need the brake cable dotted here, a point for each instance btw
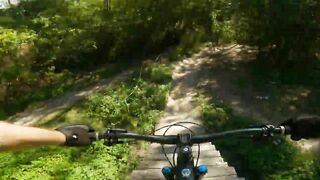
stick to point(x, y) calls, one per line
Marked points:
point(180, 125)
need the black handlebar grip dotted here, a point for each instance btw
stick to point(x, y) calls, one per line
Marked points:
point(95, 136)
point(287, 129)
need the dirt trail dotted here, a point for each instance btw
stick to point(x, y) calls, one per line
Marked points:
point(53, 106)
point(181, 107)
point(226, 76)
point(221, 68)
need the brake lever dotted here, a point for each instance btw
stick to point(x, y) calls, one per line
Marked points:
point(268, 130)
point(111, 137)
point(267, 135)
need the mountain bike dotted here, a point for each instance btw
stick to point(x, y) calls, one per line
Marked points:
point(185, 168)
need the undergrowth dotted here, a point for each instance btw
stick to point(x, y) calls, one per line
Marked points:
point(95, 162)
point(275, 158)
point(135, 105)
point(50, 85)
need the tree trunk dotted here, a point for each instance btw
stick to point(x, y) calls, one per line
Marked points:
point(9, 2)
point(107, 4)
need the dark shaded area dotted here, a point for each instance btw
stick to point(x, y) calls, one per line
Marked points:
point(129, 29)
point(234, 77)
point(66, 40)
point(241, 96)
point(79, 36)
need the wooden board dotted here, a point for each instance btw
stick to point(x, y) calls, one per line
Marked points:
point(213, 172)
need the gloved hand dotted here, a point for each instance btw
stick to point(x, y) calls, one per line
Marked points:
point(304, 126)
point(77, 135)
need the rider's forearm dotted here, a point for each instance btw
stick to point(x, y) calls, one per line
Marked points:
point(15, 137)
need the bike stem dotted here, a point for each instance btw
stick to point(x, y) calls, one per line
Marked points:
point(185, 169)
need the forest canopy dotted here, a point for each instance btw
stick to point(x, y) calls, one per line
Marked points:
point(44, 37)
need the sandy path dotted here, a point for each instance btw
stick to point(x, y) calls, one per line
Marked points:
point(64, 102)
point(181, 107)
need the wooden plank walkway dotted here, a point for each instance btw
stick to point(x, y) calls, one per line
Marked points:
point(154, 160)
point(181, 108)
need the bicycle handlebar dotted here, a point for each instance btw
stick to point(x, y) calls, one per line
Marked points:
point(113, 135)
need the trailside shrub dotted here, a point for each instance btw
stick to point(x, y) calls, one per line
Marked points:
point(133, 105)
point(81, 35)
point(286, 32)
point(15, 46)
point(16, 58)
point(78, 34)
point(157, 72)
point(95, 162)
point(273, 158)
point(213, 116)
point(68, 34)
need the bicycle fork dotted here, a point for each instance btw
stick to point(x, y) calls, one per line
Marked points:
point(185, 169)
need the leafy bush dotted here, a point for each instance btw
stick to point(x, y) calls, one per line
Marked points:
point(14, 46)
point(29, 92)
point(95, 162)
point(16, 58)
point(223, 21)
point(65, 41)
point(213, 115)
point(284, 31)
point(156, 72)
point(275, 158)
point(135, 104)
point(74, 34)
point(81, 35)
point(122, 106)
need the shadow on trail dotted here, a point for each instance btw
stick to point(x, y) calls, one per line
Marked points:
point(233, 77)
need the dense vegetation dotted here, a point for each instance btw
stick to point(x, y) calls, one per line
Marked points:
point(273, 158)
point(42, 38)
point(48, 47)
point(65, 37)
point(135, 105)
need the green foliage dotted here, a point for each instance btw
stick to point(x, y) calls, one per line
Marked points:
point(29, 93)
point(16, 58)
point(75, 34)
point(123, 105)
point(305, 75)
point(285, 31)
point(132, 104)
point(213, 115)
point(95, 162)
point(223, 21)
point(275, 158)
point(12, 46)
point(156, 72)
point(135, 104)
point(6, 20)
point(67, 33)
point(81, 35)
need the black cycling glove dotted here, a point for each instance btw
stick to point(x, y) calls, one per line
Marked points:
point(304, 126)
point(77, 135)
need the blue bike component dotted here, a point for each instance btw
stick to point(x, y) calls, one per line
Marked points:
point(168, 173)
point(184, 169)
point(202, 169)
point(166, 170)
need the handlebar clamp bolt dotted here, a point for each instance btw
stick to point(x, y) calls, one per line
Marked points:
point(185, 173)
point(186, 149)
